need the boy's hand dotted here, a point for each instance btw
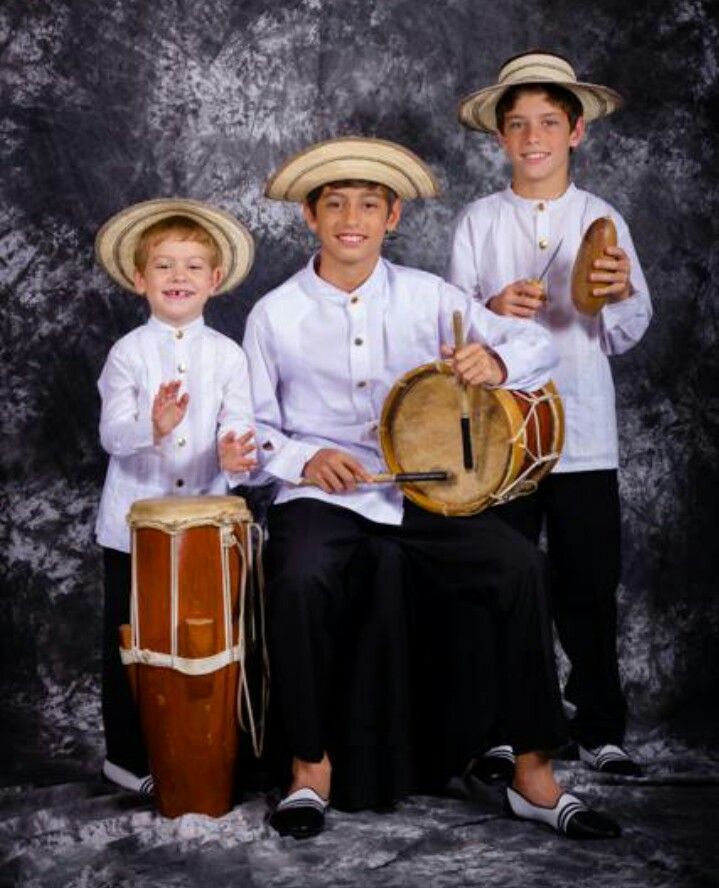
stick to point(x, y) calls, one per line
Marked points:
point(613, 271)
point(334, 471)
point(521, 299)
point(168, 410)
point(474, 365)
point(234, 451)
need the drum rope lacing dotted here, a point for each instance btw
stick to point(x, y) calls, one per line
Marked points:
point(232, 652)
point(520, 486)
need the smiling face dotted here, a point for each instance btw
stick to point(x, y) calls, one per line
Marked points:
point(178, 279)
point(350, 223)
point(536, 137)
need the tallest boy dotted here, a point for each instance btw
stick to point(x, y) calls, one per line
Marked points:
point(538, 111)
point(324, 349)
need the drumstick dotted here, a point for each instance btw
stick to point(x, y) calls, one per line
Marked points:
point(464, 422)
point(397, 477)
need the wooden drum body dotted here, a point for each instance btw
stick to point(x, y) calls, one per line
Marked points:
point(185, 646)
point(517, 438)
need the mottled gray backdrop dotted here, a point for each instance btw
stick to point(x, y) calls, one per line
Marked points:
point(108, 103)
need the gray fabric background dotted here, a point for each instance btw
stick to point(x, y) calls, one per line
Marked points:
point(108, 103)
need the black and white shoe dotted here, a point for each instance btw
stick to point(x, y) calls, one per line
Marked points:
point(610, 759)
point(569, 817)
point(127, 780)
point(301, 814)
point(495, 765)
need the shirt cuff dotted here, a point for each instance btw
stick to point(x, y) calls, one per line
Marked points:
point(287, 464)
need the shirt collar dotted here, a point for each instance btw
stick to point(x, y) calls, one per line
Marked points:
point(532, 203)
point(192, 329)
point(314, 285)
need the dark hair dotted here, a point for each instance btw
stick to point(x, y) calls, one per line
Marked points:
point(556, 95)
point(314, 195)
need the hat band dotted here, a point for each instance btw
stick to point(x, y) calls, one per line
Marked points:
point(544, 72)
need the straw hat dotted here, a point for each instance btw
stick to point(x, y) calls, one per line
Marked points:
point(477, 111)
point(353, 157)
point(116, 240)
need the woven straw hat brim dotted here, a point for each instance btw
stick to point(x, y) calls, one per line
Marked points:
point(116, 240)
point(477, 111)
point(353, 157)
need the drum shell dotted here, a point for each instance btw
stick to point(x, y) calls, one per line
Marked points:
point(602, 233)
point(189, 722)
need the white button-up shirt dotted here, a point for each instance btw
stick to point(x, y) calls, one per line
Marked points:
point(213, 371)
point(322, 362)
point(503, 238)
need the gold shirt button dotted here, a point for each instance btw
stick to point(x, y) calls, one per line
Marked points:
point(540, 207)
point(182, 368)
point(179, 334)
point(543, 244)
point(354, 300)
point(361, 384)
point(181, 442)
point(359, 341)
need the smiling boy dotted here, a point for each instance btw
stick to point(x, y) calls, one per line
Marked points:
point(538, 111)
point(324, 349)
point(176, 409)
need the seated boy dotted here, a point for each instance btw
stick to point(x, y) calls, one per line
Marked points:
point(176, 409)
point(324, 349)
point(501, 244)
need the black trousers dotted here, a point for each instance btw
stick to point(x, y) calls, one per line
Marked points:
point(313, 543)
point(123, 735)
point(581, 511)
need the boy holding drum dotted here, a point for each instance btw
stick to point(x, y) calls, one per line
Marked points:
point(502, 244)
point(176, 409)
point(324, 349)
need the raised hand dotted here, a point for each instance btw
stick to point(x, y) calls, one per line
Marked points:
point(168, 410)
point(520, 299)
point(613, 272)
point(234, 451)
point(473, 364)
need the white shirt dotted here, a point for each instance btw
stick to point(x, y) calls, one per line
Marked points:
point(497, 241)
point(213, 371)
point(322, 362)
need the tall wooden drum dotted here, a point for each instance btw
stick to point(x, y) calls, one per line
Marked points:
point(186, 644)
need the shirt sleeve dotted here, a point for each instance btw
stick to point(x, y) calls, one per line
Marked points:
point(278, 454)
point(622, 324)
point(236, 408)
point(464, 260)
point(126, 416)
point(525, 348)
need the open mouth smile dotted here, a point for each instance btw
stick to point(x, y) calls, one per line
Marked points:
point(177, 294)
point(351, 240)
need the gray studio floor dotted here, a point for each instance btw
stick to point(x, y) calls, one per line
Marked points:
point(79, 833)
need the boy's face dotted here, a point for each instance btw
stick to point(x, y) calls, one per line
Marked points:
point(178, 280)
point(536, 138)
point(351, 223)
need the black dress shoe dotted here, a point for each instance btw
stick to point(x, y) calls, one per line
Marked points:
point(569, 817)
point(610, 759)
point(301, 814)
point(495, 765)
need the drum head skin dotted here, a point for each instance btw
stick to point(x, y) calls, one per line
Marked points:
point(420, 431)
point(176, 512)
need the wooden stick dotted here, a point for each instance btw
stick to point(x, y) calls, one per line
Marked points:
point(464, 422)
point(397, 477)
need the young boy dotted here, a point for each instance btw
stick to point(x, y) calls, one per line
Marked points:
point(501, 244)
point(176, 409)
point(356, 324)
